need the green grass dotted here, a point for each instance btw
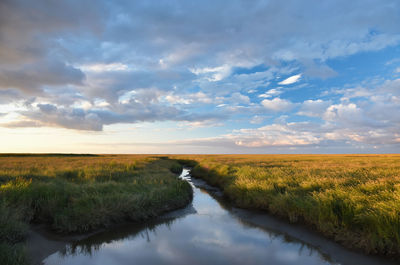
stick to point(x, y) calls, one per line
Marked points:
point(80, 194)
point(352, 199)
point(12, 232)
point(12, 254)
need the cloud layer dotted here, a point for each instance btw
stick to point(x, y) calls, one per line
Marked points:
point(272, 73)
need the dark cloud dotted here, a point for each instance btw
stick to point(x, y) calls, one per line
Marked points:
point(30, 30)
point(112, 85)
point(47, 108)
point(31, 36)
point(182, 34)
point(9, 95)
point(32, 78)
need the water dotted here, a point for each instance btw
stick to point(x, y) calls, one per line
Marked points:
point(208, 231)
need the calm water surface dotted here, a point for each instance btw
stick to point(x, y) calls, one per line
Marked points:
point(205, 232)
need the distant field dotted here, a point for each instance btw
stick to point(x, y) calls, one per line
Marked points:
point(74, 193)
point(354, 199)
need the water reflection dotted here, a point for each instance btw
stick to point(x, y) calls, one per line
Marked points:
point(206, 232)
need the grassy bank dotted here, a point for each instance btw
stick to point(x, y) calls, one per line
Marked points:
point(82, 193)
point(353, 199)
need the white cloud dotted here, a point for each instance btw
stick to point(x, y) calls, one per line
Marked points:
point(179, 55)
point(101, 103)
point(270, 93)
point(289, 134)
point(342, 112)
point(174, 99)
point(200, 124)
point(201, 97)
point(313, 108)
point(103, 67)
point(238, 98)
point(257, 119)
point(213, 74)
point(277, 104)
point(368, 119)
point(290, 80)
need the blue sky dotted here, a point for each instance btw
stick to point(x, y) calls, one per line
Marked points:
point(200, 76)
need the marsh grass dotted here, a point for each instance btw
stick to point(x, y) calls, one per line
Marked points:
point(353, 199)
point(73, 194)
point(12, 231)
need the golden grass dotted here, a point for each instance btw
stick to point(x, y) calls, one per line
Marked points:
point(354, 199)
point(82, 193)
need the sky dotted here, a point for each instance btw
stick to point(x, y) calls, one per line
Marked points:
point(200, 76)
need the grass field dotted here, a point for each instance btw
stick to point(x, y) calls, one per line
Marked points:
point(82, 193)
point(354, 199)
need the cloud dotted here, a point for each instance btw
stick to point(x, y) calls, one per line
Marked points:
point(277, 104)
point(22, 124)
point(319, 70)
point(102, 67)
point(314, 108)
point(143, 106)
point(30, 78)
point(9, 95)
point(257, 119)
point(270, 93)
point(47, 108)
point(365, 121)
point(290, 80)
point(342, 111)
point(238, 98)
point(201, 124)
point(130, 61)
point(213, 74)
point(110, 85)
point(210, 42)
point(31, 52)
point(290, 134)
point(368, 106)
point(175, 99)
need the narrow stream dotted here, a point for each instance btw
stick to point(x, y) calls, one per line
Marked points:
point(209, 231)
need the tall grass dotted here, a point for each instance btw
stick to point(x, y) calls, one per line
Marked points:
point(80, 194)
point(353, 199)
point(12, 231)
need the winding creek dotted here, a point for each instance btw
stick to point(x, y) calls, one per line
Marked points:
point(208, 231)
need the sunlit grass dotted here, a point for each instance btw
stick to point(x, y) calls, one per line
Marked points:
point(353, 199)
point(80, 194)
